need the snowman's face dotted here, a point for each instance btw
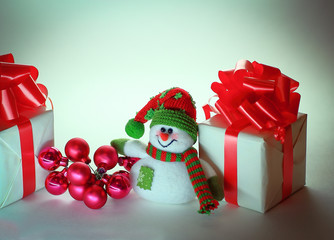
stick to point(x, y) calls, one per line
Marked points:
point(170, 139)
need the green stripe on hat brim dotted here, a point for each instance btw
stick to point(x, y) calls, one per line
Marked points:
point(178, 119)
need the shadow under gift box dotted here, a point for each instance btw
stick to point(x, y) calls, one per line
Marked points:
point(259, 161)
point(11, 173)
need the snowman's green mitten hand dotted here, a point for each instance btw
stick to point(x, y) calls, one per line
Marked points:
point(118, 144)
point(216, 188)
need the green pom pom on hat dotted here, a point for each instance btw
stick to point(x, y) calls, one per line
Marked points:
point(134, 129)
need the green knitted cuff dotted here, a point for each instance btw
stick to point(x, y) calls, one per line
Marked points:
point(118, 144)
point(177, 119)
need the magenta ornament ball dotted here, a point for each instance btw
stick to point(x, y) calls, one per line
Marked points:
point(77, 191)
point(122, 172)
point(78, 173)
point(95, 197)
point(106, 157)
point(77, 150)
point(49, 158)
point(56, 183)
point(127, 162)
point(118, 186)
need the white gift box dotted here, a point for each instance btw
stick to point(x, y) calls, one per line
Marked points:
point(259, 161)
point(11, 179)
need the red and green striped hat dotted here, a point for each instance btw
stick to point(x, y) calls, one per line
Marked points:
point(173, 107)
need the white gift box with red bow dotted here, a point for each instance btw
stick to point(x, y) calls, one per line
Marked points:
point(257, 140)
point(25, 129)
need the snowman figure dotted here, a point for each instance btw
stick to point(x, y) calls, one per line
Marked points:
point(169, 170)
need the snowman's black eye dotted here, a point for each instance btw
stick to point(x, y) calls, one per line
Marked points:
point(163, 129)
point(170, 130)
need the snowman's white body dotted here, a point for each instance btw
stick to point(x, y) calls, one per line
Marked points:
point(171, 183)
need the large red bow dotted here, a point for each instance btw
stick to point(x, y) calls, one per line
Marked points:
point(18, 90)
point(257, 94)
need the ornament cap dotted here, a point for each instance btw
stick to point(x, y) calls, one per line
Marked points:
point(135, 129)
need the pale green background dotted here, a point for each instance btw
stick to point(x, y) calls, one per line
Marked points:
point(103, 60)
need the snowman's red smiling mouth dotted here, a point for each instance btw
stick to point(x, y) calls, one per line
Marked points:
point(164, 146)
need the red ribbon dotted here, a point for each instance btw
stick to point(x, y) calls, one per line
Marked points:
point(28, 157)
point(18, 90)
point(21, 96)
point(261, 96)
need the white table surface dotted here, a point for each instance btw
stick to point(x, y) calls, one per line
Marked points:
point(305, 215)
point(103, 60)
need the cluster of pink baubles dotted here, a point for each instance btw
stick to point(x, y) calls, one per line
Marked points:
point(83, 184)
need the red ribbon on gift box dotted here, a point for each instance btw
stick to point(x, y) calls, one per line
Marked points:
point(20, 94)
point(261, 96)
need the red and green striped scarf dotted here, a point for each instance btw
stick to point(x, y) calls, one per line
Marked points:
point(195, 171)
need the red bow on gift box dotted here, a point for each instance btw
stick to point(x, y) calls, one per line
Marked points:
point(256, 94)
point(261, 96)
point(18, 90)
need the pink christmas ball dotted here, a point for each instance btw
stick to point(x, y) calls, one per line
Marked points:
point(118, 186)
point(77, 150)
point(56, 183)
point(78, 173)
point(77, 191)
point(105, 157)
point(122, 172)
point(127, 162)
point(49, 158)
point(95, 197)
